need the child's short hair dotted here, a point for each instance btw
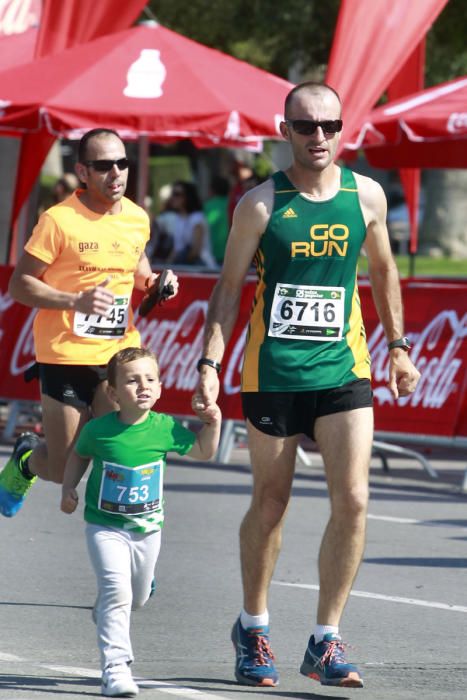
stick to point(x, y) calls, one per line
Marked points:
point(122, 357)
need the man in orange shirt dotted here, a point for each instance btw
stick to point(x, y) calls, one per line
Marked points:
point(79, 268)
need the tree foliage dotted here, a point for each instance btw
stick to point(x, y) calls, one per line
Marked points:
point(271, 34)
point(278, 36)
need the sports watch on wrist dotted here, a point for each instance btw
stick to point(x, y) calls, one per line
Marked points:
point(403, 343)
point(209, 363)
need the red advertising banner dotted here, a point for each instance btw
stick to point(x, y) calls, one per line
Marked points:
point(435, 321)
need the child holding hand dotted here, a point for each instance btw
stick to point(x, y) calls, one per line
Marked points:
point(124, 499)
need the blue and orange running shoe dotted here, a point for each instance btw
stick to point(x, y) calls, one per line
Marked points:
point(325, 662)
point(255, 661)
point(13, 485)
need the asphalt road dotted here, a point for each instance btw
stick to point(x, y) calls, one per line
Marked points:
point(405, 622)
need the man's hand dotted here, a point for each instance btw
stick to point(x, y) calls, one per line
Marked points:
point(207, 390)
point(97, 300)
point(403, 375)
point(170, 278)
point(208, 414)
point(159, 289)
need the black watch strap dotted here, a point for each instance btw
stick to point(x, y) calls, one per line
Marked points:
point(210, 363)
point(403, 343)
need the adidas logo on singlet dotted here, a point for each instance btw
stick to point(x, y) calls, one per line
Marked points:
point(289, 214)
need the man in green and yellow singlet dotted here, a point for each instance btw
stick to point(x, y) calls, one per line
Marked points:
point(306, 367)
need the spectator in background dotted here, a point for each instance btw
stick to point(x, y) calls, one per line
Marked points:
point(242, 175)
point(160, 245)
point(192, 244)
point(216, 212)
point(64, 186)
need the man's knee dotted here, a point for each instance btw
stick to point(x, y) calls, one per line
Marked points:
point(351, 504)
point(270, 509)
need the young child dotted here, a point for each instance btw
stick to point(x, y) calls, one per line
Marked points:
point(124, 499)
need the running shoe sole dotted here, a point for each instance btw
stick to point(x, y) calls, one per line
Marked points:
point(352, 680)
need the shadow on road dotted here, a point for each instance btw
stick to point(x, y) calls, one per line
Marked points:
point(49, 684)
point(212, 683)
point(47, 605)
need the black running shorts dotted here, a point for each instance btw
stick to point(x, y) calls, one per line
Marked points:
point(283, 414)
point(74, 385)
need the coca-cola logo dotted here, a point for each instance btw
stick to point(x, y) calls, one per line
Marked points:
point(23, 355)
point(457, 122)
point(435, 353)
point(178, 345)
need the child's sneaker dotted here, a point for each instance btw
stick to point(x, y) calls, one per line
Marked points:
point(117, 682)
point(325, 662)
point(13, 485)
point(255, 661)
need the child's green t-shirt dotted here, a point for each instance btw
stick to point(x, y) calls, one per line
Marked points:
point(125, 486)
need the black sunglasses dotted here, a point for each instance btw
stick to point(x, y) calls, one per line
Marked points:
point(306, 127)
point(104, 166)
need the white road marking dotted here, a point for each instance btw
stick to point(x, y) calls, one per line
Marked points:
point(414, 521)
point(9, 657)
point(387, 598)
point(178, 690)
point(391, 519)
point(73, 670)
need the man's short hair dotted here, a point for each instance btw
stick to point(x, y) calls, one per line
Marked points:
point(310, 86)
point(122, 357)
point(93, 133)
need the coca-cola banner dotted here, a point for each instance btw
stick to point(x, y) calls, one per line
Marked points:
point(435, 321)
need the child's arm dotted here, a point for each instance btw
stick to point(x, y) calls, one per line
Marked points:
point(74, 470)
point(207, 440)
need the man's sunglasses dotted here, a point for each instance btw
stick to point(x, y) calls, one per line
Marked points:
point(306, 127)
point(104, 166)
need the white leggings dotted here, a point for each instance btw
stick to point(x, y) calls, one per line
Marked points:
point(124, 565)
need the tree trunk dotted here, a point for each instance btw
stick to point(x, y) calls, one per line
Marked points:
point(444, 226)
point(9, 149)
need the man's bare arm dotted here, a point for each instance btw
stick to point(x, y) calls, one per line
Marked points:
point(385, 285)
point(27, 287)
point(249, 222)
point(384, 276)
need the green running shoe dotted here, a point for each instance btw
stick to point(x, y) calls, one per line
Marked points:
point(13, 485)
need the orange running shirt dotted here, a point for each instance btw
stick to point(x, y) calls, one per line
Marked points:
point(83, 249)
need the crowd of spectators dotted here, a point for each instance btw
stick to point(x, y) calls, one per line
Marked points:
point(189, 231)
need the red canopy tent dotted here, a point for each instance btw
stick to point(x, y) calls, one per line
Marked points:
point(17, 48)
point(411, 78)
point(372, 42)
point(427, 129)
point(373, 49)
point(144, 80)
point(62, 24)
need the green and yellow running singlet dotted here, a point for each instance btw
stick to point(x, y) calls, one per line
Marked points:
point(306, 330)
